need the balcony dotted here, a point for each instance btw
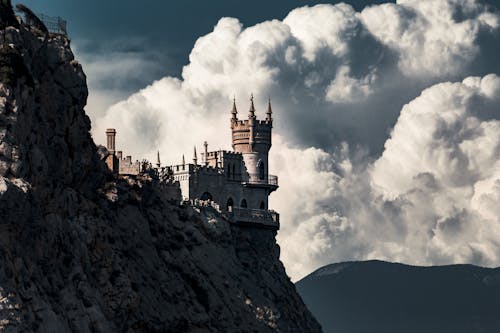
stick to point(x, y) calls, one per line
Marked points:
point(255, 180)
point(268, 219)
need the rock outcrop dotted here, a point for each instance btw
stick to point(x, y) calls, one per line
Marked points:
point(84, 251)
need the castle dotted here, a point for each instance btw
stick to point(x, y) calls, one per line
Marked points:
point(237, 182)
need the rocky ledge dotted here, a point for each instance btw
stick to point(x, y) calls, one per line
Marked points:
point(72, 259)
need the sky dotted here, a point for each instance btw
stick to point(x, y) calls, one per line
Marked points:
point(387, 131)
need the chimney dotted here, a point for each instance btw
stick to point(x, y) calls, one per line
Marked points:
point(111, 135)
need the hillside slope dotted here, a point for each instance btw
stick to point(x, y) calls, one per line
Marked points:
point(83, 251)
point(375, 296)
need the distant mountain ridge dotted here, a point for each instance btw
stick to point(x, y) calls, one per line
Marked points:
point(376, 296)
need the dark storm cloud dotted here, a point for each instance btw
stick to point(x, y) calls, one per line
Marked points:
point(167, 27)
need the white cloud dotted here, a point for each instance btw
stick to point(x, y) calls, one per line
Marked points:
point(440, 133)
point(323, 27)
point(429, 37)
point(336, 75)
point(345, 89)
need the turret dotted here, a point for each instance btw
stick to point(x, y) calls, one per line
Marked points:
point(251, 112)
point(206, 152)
point(195, 157)
point(234, 112)
point(269, 112)
point(252, 138)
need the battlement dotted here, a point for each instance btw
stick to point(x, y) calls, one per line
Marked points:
point(115, 160)
point(251, 135)
point(127, 167)
point(243, 124)
point(223, 153)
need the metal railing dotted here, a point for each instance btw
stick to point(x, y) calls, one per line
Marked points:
point(254, 215)
point(258, 179)
point(54, 24)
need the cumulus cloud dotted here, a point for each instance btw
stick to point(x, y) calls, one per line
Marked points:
point(345, 89)
point(432, 38)
point(431, 198)
point(340, 80)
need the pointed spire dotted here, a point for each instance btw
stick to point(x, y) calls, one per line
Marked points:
point(195, 157)
point(234, 111)
point(158, 163)
point(251, 113)
point(206, 153)
point(269, 111)
point(183, 160)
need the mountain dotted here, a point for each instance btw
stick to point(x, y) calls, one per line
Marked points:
point(83, 250)
point(376, 296)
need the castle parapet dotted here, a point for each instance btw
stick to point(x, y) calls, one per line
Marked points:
point(269, 180)
point(264, 218)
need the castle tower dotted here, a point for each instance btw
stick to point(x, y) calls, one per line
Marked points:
point(252, 138)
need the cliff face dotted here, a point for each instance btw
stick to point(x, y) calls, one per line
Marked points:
point(83, 251)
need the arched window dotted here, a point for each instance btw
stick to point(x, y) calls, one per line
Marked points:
point(206, 196)
point(229, 170)
point(262, 205)
point(230, 204)
point(260, 167)
point(234, 173)
point(243, 203)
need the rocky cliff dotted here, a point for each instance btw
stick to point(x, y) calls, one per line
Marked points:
point(83, 251)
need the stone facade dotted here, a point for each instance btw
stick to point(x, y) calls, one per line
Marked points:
point(237, 181)
point(115, 160)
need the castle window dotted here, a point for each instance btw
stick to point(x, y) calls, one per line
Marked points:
point(262, 205)
point(230, 205)
point(234, 173)
point(229, 170)
point(260, 167)
point(243, 203)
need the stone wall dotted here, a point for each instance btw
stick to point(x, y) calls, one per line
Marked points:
point(194, 184)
